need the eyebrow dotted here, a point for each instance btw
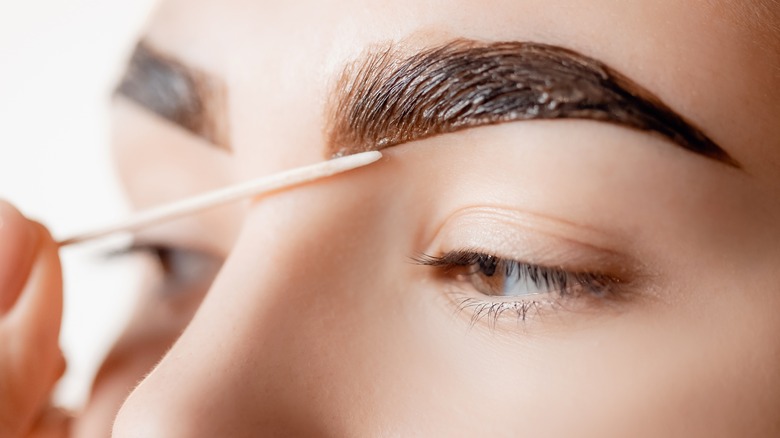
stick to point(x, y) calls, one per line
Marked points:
point(385, 99)
point(178, 93)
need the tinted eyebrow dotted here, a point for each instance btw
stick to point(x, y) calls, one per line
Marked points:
point(385, 99)
point(186, 96)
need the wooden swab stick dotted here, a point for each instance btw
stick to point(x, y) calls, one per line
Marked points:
point(233, 193)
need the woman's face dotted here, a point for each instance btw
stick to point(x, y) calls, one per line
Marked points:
point(498, 273)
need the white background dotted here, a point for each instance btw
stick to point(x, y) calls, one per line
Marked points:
point(59, 60)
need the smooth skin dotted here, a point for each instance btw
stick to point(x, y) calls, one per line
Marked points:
point(30, 314)
point(307, 316)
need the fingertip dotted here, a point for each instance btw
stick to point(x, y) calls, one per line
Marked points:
point(43, 237)
point(61, 367)
point(8, 210)
point(40, 303)
point(18, 247)
point(35, 319)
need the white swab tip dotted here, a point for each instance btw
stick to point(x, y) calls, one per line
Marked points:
point(362, 158)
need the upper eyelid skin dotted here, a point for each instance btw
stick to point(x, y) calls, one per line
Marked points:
point(524, 218)
point(538, 239)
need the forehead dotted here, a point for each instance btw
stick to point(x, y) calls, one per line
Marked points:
point(202, 28)
point(281, 59)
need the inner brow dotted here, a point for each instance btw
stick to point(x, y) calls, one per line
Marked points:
point(385, 99)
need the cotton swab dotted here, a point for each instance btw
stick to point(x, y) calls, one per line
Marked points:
point(229, 194)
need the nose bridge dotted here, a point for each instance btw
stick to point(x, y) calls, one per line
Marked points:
point(249, 353)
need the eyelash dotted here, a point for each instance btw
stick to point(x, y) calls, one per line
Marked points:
point(466, 266)
point(181, 268)
point(160, 253)
point(461, 266)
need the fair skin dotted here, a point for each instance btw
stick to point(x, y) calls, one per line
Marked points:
point(319, 322)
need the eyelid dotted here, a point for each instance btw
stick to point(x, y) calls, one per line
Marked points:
point(577, 294)
point(518, 235)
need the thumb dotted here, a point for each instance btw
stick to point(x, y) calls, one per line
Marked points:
point(18, 250)
point(36, 317)
point(30, 358)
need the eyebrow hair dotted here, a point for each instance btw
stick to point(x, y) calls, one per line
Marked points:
point(384, 99)
point(183, 95)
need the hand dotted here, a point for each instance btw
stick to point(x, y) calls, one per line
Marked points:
point(30, 314)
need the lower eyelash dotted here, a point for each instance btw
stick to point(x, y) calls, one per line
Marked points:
point(493, 310)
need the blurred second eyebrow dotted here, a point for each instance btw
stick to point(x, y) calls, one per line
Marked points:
point(178, 93)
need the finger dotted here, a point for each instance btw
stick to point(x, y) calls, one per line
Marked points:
point(30, 358)
point(36, 317)
point(53, 423)
point(18, 247)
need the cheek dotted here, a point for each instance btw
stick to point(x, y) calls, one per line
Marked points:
point(678, 370)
